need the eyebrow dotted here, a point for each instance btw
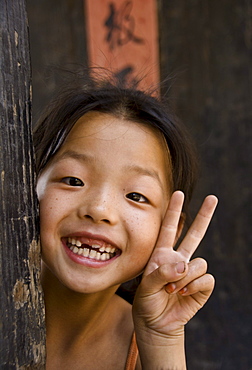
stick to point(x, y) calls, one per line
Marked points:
point(145, 172)
point(75, 155)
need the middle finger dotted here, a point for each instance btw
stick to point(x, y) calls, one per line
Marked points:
point(198, 228)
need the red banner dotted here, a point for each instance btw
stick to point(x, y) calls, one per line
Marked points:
point(123, 36)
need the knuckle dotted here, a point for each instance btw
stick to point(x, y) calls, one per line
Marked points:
point(200, 264)
point(164, 270)
point(196, 234)
point(167, 273)
point(210, 279)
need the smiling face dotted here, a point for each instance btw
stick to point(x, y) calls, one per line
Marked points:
point(102, 200)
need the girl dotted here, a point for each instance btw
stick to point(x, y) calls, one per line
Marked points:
point(113, 167)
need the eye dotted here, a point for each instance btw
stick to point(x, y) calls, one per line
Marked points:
point(72, 181)
point(136, 197)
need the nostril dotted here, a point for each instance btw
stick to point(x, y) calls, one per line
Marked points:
point(106, 221)
point(94, 219)
point(87, 216)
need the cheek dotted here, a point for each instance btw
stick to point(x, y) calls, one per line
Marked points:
point(51, 205)
point(50, 210)
point(144, 233)
point(46, 223)
point(46, 211)
point(142, 244)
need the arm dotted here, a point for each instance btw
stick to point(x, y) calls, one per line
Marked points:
point(172, 290)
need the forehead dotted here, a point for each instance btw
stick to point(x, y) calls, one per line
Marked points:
point(99, 134)
point(105, 126)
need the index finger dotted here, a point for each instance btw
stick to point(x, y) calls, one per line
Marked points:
point(169, 227)
point(198, 228)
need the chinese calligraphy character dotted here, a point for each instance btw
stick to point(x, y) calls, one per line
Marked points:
point(126, 76)
point(121, 25)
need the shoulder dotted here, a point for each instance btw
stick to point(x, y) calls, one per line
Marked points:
point(126, 326)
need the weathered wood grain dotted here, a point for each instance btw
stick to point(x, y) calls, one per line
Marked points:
point(21, 309)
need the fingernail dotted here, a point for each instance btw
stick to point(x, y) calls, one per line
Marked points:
point(180, 267)
point(171, 287)
point(183, 291)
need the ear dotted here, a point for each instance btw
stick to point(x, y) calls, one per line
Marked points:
point(180, 227)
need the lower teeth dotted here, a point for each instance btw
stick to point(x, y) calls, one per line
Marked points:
point(91, 253)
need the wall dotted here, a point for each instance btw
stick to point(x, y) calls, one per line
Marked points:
point(206, 45)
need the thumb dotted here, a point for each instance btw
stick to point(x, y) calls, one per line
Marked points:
point(163, 275)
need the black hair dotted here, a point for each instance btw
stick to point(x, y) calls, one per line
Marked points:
point(111, 97)
point(127, 103)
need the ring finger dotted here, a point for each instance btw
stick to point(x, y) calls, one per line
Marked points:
point(196, 268)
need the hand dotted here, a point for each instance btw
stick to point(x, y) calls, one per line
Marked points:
point(174, 287)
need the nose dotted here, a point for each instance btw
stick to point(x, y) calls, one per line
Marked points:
point(99, 206)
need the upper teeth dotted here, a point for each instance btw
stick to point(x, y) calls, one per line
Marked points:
point(77, 243)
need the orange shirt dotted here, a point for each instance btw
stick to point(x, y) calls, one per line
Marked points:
point(132, 355)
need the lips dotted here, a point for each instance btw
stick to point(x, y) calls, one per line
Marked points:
point(98, 250)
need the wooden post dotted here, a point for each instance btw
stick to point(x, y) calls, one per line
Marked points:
point(22, 334)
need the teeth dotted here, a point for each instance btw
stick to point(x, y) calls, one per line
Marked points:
point(102, 253)
point(86, 252)
point(103, 257)
point(92, 254)
point(95, 246)
point(74, 242)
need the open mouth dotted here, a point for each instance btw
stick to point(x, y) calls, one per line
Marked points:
point(96, 250)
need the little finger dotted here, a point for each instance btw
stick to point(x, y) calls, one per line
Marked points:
point(203, 285)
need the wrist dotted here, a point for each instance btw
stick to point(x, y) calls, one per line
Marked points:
point(150, 337)
point(159, 351)
point(148, 333)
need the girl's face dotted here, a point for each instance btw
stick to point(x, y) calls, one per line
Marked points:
point(102, 200)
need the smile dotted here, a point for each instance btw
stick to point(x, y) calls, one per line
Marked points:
point(96, 250)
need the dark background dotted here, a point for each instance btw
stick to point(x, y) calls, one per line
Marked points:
point(205, 49)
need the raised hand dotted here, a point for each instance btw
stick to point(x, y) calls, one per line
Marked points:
point(174, 287)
